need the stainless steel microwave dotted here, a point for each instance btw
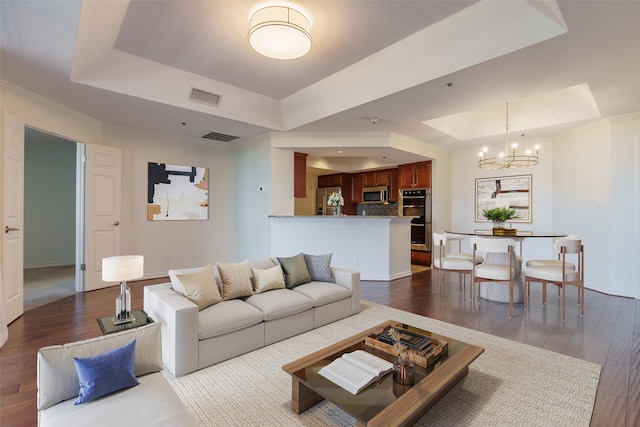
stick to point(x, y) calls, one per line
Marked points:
point(375, 195)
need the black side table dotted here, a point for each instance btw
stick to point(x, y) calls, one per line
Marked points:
point(107, 326)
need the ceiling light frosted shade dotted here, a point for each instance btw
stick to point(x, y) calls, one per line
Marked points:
point(122, 268)
point(280, 32)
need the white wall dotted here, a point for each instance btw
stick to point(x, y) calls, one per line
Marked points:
point(585, 184)
point(50, 201)
point(253, 199)
point(42, 114)
point(464, 172)
point(174, 244)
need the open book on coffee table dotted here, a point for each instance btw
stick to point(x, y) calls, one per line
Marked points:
point(356, 370)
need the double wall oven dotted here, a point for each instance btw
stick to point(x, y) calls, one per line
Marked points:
point(417, 202)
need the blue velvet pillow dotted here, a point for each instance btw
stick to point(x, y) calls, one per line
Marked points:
point(105, 373)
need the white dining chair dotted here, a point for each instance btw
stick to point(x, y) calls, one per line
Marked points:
point(560, 276)
point(443, 262)
point(493, 272)
point(553, 262)
point(452, 237)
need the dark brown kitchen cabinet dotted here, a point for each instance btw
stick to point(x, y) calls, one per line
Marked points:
point(421, 258)
point(414, 175)
point(334, 180)
point(375, 179)
point(393, 185)
point(356, 188)
point(299, 175)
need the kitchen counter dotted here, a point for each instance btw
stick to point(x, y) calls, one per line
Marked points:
point(377, 246)
point(342, 216)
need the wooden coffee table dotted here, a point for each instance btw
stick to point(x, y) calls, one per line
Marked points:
point(384, 403)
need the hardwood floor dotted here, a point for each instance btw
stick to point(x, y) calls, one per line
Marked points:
point(609, 335)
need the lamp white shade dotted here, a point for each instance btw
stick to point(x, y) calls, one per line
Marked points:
point(122, 268)
point(280, 32)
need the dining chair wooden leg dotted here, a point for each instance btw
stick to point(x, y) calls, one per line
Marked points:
point(510, 300)
point(563, 299)
point(526, 294)
point(544, 293)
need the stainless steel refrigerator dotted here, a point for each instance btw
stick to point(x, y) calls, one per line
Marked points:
point(322, 194)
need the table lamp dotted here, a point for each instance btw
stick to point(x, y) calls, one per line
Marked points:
point(120, 269)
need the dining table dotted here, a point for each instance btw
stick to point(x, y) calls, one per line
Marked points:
point(495, 291)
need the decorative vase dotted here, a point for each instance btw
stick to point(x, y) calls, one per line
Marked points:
point(337, 210)
point(404, 370)
point(498, 224)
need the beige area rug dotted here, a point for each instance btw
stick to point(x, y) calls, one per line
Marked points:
point(510, 384)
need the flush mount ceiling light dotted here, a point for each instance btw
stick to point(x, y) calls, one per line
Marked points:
point(280, 32)
point(508, 160)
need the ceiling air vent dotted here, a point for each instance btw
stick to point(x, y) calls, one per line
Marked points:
point(203, 97)
point(219, 137)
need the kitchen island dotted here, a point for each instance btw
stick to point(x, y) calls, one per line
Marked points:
point(379, 247)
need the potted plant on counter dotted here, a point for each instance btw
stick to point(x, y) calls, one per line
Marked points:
point(499, 216)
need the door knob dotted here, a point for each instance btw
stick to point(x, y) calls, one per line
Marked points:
point(8, 229)
point(117, 223)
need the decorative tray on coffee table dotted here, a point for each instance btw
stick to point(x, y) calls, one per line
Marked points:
point(425, 359)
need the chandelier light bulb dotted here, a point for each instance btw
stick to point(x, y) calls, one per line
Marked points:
point(509, 158)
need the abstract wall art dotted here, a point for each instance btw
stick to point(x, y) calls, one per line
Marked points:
point(177, 192)
point(508, 191)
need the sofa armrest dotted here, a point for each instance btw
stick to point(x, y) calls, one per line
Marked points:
point(180, 325)
point(351, 280)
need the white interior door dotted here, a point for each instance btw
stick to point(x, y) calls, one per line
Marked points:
point(12, 217)
point(102, 211)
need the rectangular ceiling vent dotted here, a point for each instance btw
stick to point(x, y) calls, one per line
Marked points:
point(219, 137)
point(204, 97)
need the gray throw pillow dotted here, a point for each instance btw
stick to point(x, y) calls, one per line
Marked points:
point(319, 267)
point(295, 270)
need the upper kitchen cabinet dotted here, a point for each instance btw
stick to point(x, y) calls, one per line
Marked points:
point(300, 175)
point(375, 179)
point(335, 180)
point(414, 175)
point(393, 185)
point(356, 188)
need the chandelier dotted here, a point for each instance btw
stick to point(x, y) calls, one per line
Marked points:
point(508, 159)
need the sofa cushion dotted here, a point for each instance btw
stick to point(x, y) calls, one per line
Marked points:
point(57, 375)
point(295, 270)
point(152, 403)
point(236, 280)
point(227, 316)
point(267, 279)
point(105, 373)
point(323, 293)
point(177, 285)
point(319, 267)
point(200, 287)
point(280, 303)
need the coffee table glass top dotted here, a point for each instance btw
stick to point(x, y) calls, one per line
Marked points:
point(379, 396)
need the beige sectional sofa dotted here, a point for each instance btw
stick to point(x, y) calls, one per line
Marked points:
point(197, 334)
point(150, 403)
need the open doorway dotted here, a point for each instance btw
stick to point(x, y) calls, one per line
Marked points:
point(49, 218)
